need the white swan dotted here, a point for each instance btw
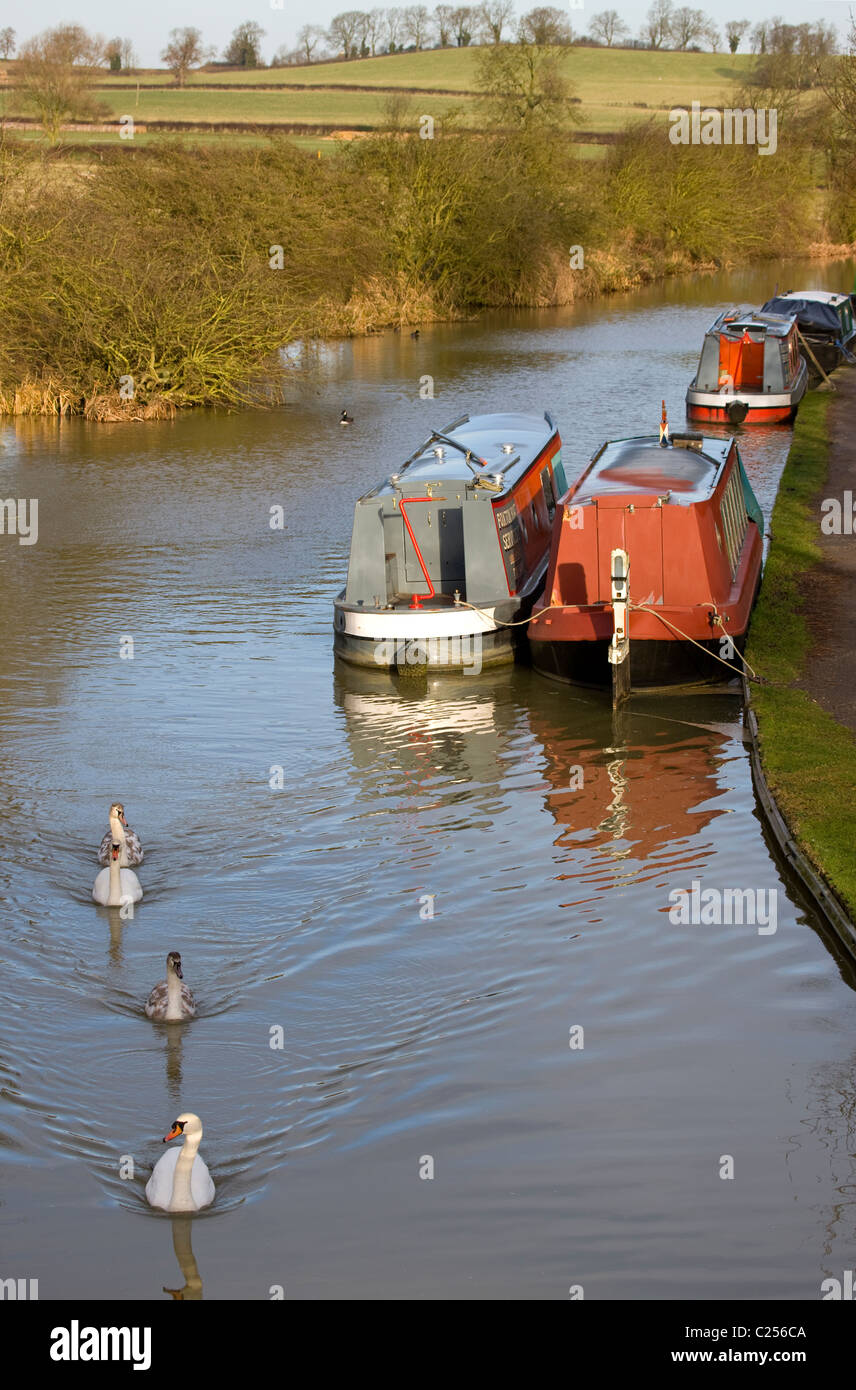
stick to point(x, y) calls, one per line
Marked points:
point(171, 1000)
point(120, 833)
point(116, 886)
point(180, 1181)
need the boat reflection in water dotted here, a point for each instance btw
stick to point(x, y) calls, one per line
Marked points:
point(629, 791)
point(632, 792)
point(424, 726)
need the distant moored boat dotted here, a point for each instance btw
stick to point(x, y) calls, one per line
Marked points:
point(825, 322)
point(750, 370)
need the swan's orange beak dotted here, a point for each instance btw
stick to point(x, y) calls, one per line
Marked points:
point(122, 819)
point(173, 1134)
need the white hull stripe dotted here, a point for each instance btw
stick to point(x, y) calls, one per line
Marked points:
point(416, 625)
point(756, 400)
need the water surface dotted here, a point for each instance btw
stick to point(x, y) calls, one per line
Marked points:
point(440, 884)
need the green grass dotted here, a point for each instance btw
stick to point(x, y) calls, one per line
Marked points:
point(808, 757)
point(614, 86)
point(260, 108)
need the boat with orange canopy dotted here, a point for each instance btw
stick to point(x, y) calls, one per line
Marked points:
point(654, 566)
point(750, 369)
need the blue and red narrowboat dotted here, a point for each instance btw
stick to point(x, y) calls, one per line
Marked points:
point(449, 552)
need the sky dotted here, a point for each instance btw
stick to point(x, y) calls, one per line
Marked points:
point(148, 25)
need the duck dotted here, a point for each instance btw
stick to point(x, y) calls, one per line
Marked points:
point(415, 333)
point(114, 887)
point(180, 1180)
point(345, 418)
point(171, 1000)
point(120, 833)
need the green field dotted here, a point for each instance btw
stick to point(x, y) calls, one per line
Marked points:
point(613, 86)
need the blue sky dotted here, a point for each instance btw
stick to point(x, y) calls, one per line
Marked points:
point(149, 24)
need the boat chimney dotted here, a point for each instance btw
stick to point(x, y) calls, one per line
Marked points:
point(664, 429)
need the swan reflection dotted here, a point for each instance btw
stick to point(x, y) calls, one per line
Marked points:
point(182, 1244)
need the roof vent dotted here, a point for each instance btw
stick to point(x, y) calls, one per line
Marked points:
point(439, 452)
point(508, 448)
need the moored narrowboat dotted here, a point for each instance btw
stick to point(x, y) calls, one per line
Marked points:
point(450, 551)
point(656, 561)
point(750, 369)
point(825, 322)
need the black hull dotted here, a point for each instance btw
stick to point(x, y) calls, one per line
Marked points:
point(652, 664)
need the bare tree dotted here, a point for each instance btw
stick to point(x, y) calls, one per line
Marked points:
point(758, 37)
point(370, 31)
point(688, 26)
point(657, 29)
point(734, 31)
point(443, 21)
point(113, 54)
point(523, 85)
point(129, 57)
point(184, 51)
point(53, 73)
point(416, 25)
point(608, 27)
point(492, 16)
point(392, 30)
point(344, 32)
point(463, 24)
point(7, 42)
point(546, 25)
point(308, 39)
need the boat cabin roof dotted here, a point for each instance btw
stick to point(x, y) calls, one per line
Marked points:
point(687, 468)
point(507, 444)
point(735, 322)
point(819, 296)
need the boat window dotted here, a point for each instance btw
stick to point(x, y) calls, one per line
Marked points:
point(536, 520)
point(732, 509)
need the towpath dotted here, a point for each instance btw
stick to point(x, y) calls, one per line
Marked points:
point(830, 586)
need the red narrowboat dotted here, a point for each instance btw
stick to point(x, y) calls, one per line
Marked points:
point(656, 561)
point(750, 369)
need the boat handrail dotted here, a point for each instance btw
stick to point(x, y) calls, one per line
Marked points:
point(437, 436)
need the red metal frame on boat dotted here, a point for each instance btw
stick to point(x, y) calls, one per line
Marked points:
point(416, 601)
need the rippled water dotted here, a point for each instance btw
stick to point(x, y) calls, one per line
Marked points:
point(449, 880)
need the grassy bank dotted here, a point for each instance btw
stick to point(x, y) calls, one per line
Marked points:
point(809, 759)
point(140, 279)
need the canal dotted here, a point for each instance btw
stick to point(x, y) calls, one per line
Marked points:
point(450, 1040)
